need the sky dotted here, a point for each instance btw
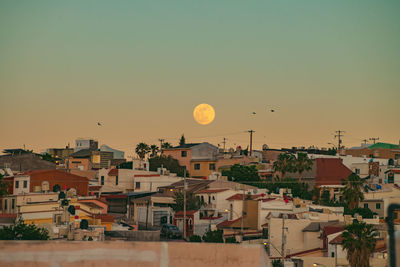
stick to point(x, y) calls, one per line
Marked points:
point(140, 68)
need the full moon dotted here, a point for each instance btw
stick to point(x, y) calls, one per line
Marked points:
point(204, 114)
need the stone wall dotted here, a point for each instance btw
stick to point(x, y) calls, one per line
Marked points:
point(177, 254)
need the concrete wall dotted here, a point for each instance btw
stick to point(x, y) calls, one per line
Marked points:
point(135, 235)
point(86, 253)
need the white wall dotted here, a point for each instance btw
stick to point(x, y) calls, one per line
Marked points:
point(21, 189)
point(151, 184)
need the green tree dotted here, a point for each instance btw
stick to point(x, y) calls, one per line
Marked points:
point(242, 173)
point(48, 157)
point(366, 213)
point(286, 163)
point(192, 202)
point(71, 209)
point(166, 145)
point(167, 162)
point(353, 190)
point(213, 236)
point(56, 188)
point(195, 238)
point(154, 150)
point(84, 224)
point(359, 240)
point(21, 231)
point(142, 149)
point(3, 186)
point(302, 164)
point(231, 239)
point(182, 141)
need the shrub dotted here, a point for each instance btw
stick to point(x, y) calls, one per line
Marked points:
point(195, 238)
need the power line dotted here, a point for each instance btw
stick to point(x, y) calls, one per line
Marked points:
point(339, 135)
point(374, 139)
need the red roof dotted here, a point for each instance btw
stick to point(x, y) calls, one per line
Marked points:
point(188, 213)
point(210, 191)
point(113, 172)
point(395, 171)
point(337, 240)
point(8, 215)
point(331, 229)
point(240, 197)
point(105, 217)
point(94, 187)
point(331, 171)
point(210, 218)
point(303, 252)
point(147, 175)
point(228, 223)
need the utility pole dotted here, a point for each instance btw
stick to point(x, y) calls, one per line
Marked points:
point(339, 135)
point(283, 254)
point(184, 204)
point(242, 220)
point(251, 140)
point(374, 139)
point(224, 142)
point(161, 143)
point(365, 142)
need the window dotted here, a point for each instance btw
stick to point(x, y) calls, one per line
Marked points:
point(397, 156)
point(357, 171)
point(378, 206)
point(365, 205)
point(212, 166)
point(16, 184)
point(137, 185)
point(183, 154)
point(197, 166)
point(25, 184)
point(102, 180)
point(13, 203)
point(5, 204)
point(116, 180)
point(333, 254)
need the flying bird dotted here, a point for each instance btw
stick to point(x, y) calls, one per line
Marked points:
point(254, 113)
point(99, 124)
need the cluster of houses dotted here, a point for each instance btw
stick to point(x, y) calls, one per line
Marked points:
point(116, 196)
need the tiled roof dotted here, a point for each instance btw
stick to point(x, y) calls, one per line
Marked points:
point(331, 171)
point(188, 212)
point(228, 223)
point(337, 240)
point(183, 146)
point(317, 226)
point(331, 229)
point(210, 191)
point(105, 217)
point(113, 172)
point(240, 197)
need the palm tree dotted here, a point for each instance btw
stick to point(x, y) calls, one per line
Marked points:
point(142, 149)
point(303, 163)
point(166, 145)
point(353, 190)
point(154, 150)
point(284, 164)
point(359, 240)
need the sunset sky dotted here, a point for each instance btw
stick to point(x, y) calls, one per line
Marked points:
point(140, 68)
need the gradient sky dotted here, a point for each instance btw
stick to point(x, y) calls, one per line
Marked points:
point(140, 67)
